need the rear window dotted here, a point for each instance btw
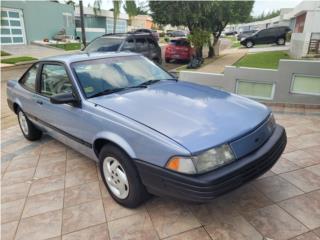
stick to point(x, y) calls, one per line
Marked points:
point(104, 44)
point(180, 43)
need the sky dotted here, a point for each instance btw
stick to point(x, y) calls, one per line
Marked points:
point(259, 7)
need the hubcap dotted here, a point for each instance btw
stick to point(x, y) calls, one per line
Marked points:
point(281, 41)
point(249, 44)
point(116, 177)
point(23, 123)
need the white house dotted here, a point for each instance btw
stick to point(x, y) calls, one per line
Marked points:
point(305, 38)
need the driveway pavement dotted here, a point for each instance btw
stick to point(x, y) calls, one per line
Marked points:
point(269, 48)
point(51, 192)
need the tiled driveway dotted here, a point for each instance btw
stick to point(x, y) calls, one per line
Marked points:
point(51, 192)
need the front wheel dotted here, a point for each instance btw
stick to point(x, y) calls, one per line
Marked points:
point(249, 44)
point(28, 129)
point(121, 177)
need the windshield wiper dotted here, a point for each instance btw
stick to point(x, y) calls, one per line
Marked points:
point(149, 82)
point(113, 90)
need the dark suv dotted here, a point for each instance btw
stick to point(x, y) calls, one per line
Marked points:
point(143, 43)
point(266, 36)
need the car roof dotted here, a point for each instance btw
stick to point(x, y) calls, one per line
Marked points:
point(84, 56)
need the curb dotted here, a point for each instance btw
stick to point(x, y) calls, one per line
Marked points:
point(20, 64)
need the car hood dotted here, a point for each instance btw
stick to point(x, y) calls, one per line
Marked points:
point(195, 116)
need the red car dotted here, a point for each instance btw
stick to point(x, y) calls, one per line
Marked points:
point(178, 49)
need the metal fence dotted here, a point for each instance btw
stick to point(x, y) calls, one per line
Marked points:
point(294, 82)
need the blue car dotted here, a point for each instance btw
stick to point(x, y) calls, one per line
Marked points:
point(149, 132)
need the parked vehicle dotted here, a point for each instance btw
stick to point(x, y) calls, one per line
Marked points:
point(267, 36)
point(177, 34)
point(142, 43)
point(154, 33)
point(230, 33)
point(178, 49)
point(245, 34)
point(149, 132)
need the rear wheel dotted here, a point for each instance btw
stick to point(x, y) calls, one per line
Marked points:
point(249, 44)
point(28, 129)
point(281, 41)
point(121, 177)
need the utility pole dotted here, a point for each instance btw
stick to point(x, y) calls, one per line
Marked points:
point(83, 33)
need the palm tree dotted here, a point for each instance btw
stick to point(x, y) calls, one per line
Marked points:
point(116, 12)
point(131, 9)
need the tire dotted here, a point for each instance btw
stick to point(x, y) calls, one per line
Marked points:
point(113, 164)
point(167, 60)
point(28, 129)
point(249, 44)
point(281, 41)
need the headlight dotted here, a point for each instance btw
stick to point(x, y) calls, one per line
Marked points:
point(204, 162)
point(242, 39)
point(271, 123)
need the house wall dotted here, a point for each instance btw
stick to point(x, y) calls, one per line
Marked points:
point(42, 19)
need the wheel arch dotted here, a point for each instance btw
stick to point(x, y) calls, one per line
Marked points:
point(103, 139)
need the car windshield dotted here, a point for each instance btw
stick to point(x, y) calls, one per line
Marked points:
point(104, 44)
point(179, 42)
point(107, 75)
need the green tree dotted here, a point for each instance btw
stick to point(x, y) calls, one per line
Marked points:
point(222, 13)
point(131, 9)
point(116, 13)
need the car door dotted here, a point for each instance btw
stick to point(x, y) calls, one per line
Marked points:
point(142, 46)
point(67, 122)
point(261, 37)
point(129, 45)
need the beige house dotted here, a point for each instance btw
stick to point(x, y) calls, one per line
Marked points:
point(141, 21)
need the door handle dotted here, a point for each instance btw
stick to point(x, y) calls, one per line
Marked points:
point(39, 102)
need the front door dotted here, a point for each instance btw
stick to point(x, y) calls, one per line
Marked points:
point(64, 121)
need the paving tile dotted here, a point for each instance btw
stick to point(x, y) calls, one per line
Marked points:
point(80, 177)
point(315, 169)
point(53, 147)
point(23, 163)
point(307, 236)
point(48, 184)
point(314, 151)
point(305, 208)
point(82, 216)
point(73, 154)
point(80, 163)
point(82, 193)
point(20, 176)
point(305, 180)
point(274, 223)
point(99, 232)
point(8, 230)
point(11, 211)
point(103, 190)
point(198, 233)
point(277, 188)
point(317, 231)
point(170, 217)
point(50, 169)
point(229, 228)
point(54, 157)
point(247, 198)
point(43, 203)
point(43, 226)
point(138, 226)
point(301, 158)
point(284, 165)
point(14, 192)
point(305, 141)
point(113, 210)
point(267, 174)
point(289, 148)
point(209, 212)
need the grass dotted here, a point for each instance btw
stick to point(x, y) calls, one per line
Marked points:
point(3, 54)
point(15, 60)
point(262, 60)
point(67, 46)
point(234, 41)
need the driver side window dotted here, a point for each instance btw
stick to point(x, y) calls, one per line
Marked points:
point(54, 80)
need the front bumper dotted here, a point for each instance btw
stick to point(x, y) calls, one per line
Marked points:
point(205, 187)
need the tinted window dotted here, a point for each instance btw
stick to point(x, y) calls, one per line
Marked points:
point(141, 44)
point(152, 44)
point(29, 79)
point(128, 45)
point(54, 80)
point(122, 72)
point(104, 44)
point(263, 33)
point(180, 43)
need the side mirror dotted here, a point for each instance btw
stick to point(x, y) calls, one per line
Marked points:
point(62, 98)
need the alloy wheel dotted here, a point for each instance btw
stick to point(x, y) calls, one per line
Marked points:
point(23, 123)
point(116, 177)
